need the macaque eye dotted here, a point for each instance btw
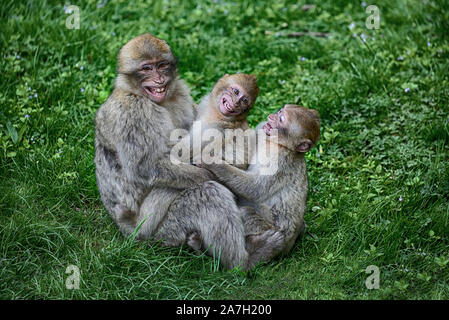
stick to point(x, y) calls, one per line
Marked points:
point(282, 118)
point(147, 67)
point(163, 65)
point(245, 100)
point(236, 91)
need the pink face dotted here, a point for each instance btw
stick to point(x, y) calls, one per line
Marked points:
point(275, 121)
point(156, 76)
point(234, 101)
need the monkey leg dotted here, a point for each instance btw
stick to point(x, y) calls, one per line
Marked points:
point(264, 246)
point(270, 243)
point(194, 241)
point(253, 222)
point(292, 235)
point(119, 197)
point(263, 239)
point(207, 211)
point(153, 210)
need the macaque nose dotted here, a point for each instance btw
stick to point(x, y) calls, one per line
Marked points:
point(159, 79)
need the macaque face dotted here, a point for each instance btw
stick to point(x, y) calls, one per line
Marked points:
point(297, 128)
point(236, 94)
point(149, 66)
point(276, 121)
point(234, 101)
point(156, 76)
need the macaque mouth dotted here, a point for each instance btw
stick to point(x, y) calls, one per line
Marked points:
point(226, 107)
point(267, 127)
point(157, 93)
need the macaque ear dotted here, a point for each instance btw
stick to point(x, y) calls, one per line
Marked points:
point(304, 146)
point(226, 75)
point(315, 114)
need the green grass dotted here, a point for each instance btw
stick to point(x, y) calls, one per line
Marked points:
point(379, 178)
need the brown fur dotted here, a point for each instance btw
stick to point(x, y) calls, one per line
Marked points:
point(210, 116)
point(247, 81)
point(283, 193)
point(143, 47)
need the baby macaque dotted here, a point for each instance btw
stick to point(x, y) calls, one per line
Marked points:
point(221, 128)
point(227, 105)
point(288, 134)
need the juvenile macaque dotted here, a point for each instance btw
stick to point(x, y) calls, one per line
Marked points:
point(227, 105)
point(136, 179)
point(290, 133)
point(222, 125)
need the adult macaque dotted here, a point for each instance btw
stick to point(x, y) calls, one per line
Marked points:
point(290, 133)
point(132, 130)
point(135, 177)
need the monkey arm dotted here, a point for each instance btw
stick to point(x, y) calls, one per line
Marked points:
point(141, 152)
point(142, 167)
point(195, 110)
point(147, 163)
point(252, 187)
point(260, 126)
point(180, 176)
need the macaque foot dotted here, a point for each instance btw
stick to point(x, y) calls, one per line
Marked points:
point(194, 242)
point(264, 246)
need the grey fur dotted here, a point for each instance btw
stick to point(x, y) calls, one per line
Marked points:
point(138, 183)
point(131, 139)
point(284, 193)
point(232, 127)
